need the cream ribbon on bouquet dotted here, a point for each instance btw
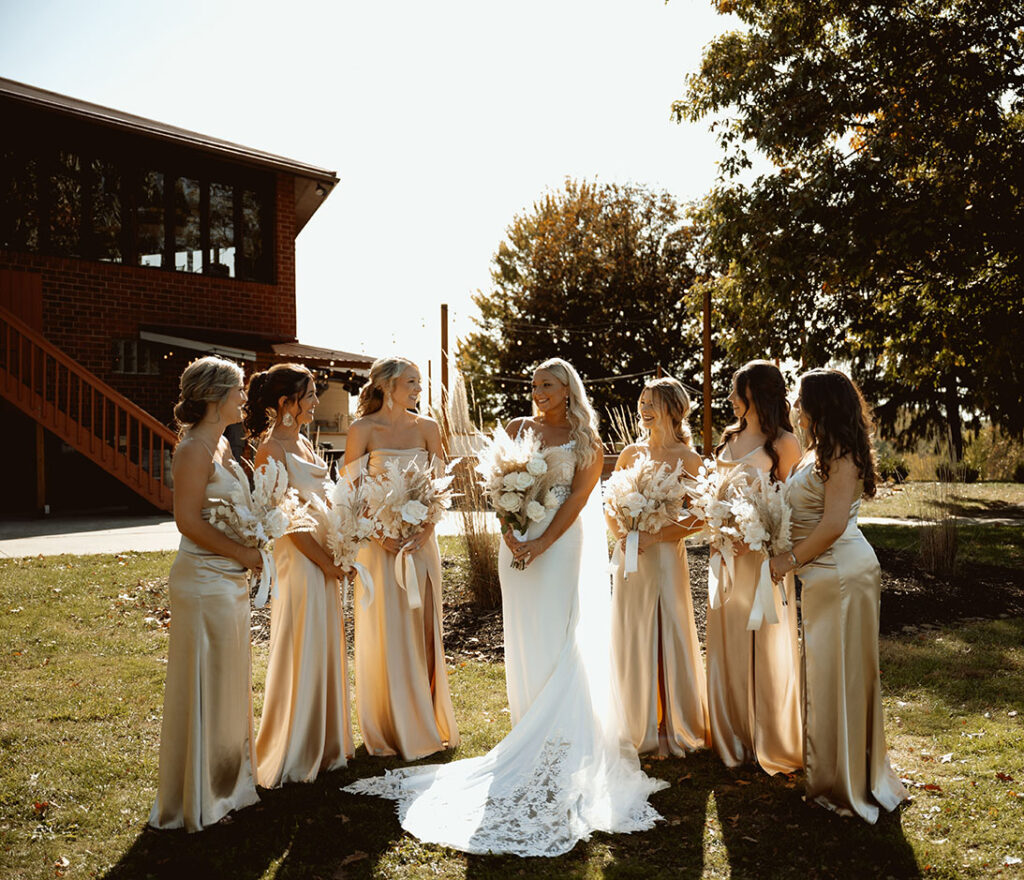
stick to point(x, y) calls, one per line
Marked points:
point(407, 577)
point(717, 592)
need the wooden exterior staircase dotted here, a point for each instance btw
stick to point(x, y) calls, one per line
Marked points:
point(85, 412)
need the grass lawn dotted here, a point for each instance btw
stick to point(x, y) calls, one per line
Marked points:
point(990, 544)
point(924, 499)
point(80, 702)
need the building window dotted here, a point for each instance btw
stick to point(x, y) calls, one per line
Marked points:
point(90, 198)
point(132, 356)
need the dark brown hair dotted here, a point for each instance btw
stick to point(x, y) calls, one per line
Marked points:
point(761, 385)
point(840, 424)
point(266, 389)
point(204, 381)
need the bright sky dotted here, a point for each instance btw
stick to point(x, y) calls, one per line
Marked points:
point(443, 120)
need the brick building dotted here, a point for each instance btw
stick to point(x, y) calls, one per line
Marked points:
point(128, 248)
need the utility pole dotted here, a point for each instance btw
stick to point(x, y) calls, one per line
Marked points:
point(444, 363)
point(707, 371)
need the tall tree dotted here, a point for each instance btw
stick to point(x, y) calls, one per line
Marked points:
point(597, 274)
point(889, 232)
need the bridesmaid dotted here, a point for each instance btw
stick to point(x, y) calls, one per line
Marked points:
point(402, 698)
point(753, 676)
point(305, 728)
point(846, 765)
point(206, 756)
point(654, 637)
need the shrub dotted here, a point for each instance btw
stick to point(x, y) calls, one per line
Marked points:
point(892, 468)
point(959, 473)
point(1018, 472)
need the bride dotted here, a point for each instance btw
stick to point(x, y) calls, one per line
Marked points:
point(568, 767)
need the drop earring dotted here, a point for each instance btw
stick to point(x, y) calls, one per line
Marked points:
point(288, 420)
point(388, 402)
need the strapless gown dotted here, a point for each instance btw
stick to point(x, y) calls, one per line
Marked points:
point(305, 728)
point(657, 654)
point(206, 741)
point(754, 676)
point(846, 764)
point(567, 768)
point(402, 698)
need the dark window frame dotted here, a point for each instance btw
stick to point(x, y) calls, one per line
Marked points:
point(43, 132)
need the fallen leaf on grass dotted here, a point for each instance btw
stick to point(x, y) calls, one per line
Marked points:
point(1011, 860)
point(946, 758)
point(1003, 777)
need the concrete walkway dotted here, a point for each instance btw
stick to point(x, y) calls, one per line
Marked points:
point(86, 535)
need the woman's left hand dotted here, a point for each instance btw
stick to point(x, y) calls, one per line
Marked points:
point(780, 566)
point(524, 552)
point(417, 541)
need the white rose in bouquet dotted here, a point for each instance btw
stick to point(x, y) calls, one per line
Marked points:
point(537, 466)
point(510, 502)
point(413, 512)
point(508, 482)
point(535, 511)
point(634, 503)
point(524, 481)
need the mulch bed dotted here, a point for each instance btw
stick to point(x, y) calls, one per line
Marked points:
point(912, 599)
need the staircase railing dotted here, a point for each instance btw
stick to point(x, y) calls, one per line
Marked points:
point(85, 412)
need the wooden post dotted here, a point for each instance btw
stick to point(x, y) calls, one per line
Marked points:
point(707, 371)
point(430, 386)
point(444, 360)
point(41, 507)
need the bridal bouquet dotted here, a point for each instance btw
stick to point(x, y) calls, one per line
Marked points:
point(517, 480)
point(402, 500)
point(644, 497)
point(259, 514)
point(740, 505)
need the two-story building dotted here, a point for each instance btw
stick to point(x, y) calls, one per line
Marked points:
point(128, 248)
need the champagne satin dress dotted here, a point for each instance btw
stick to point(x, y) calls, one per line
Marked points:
point(657, 655)
point(402, 698)
point(206, 741)
point(754, 676)
point(846, 763)
point(305, 728)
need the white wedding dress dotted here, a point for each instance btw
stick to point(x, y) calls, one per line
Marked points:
point(567, 768)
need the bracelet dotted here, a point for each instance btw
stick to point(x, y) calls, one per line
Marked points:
point(793, 559)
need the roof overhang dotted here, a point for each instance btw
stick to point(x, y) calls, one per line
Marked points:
point(312, 183)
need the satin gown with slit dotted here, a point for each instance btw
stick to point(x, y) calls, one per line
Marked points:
point(402, 698)
point(206, 738)
point(305, 728)
point(567, 767)
point(846, 761)
point(657, 654)
point(754, 703)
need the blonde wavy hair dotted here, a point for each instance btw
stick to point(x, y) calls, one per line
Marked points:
point(672, 397)
point(206, 380)
point(582, 418)
point(384, 372)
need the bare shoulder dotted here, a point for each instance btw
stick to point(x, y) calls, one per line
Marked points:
point(515, 427)
point(628, 455)
point(360, 428)
point(691, 460)
point(191, 456)
point(428, 426)
point(788, 444)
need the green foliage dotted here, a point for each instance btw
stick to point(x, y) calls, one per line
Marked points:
point(598, 274)
point(892, 468)
point(887, 235)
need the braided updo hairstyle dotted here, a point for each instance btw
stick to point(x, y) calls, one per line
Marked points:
point(384, 372)
point(204, 381)
point(265, 389)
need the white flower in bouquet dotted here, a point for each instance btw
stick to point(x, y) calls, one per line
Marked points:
point(508, 482)
point(347, 526)
point(535, 511)
point(537, 466)
point(524, 480)
point(550, 499)
point(511, 502)
point(414, 512)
